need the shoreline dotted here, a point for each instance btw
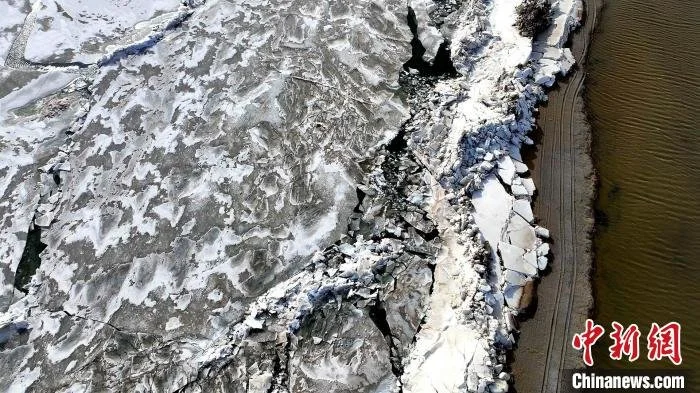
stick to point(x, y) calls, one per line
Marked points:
point(646, 242)
point(537, 362)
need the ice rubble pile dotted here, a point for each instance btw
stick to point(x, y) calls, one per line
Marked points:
point(238, 247)
point(485, 115)
point(469, 132)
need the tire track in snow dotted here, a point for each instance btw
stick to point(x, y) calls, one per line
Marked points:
point(561, 169)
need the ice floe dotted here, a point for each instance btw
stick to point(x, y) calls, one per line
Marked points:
point(74, 31)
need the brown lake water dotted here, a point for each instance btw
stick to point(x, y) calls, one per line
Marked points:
point(643, 97)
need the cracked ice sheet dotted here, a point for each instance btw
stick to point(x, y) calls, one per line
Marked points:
point(449, 345)
point(492, 206)
point(82, 31)
point(28, 139)
point(565, 17)
point(210, 169)
point(13, 14)
point(333, 365)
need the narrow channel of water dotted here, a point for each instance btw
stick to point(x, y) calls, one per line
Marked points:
point(643, 96)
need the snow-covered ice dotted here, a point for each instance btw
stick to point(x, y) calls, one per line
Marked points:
point(80, 31)
point(193, 167)
point(13, 14)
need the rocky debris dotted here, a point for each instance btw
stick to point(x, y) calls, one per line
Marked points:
point(533, 17)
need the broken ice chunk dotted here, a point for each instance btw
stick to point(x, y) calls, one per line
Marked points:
point(520, 233)
point(514, 278)
point(519, 190)
point(522, 208)
point(514, 151)
point(506, 169)
point(254, 323)
point(520, 167)
point(498, 386)
point(10, 329)
point(512, 294)
point(260, 382)
point(62, 166)
point(485, 167)
point(567, 61)
point(542, 232)
point(173, 323)
point(529, 186)
point(512, 258)
point(85, 31)
point(43, 220)
point(531, 258)
point(45, 214)
point(417, 221)
point(428, 35)
point(347, 249)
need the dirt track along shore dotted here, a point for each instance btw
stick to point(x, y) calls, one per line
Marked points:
point(562, 170)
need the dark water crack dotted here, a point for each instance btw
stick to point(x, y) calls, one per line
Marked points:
point(442, 64)
point(30, 260)
point(378, 315)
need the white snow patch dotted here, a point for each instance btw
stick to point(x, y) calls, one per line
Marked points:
point(73, 25)
point(172, 323)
